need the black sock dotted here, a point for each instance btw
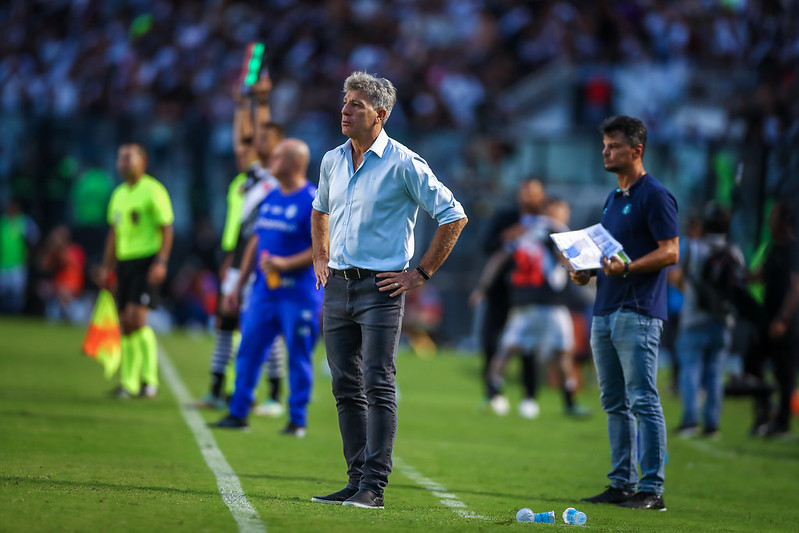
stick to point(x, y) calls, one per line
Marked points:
point(568, 397)
point(529, 375)
point(274, 385)
point(217, 382)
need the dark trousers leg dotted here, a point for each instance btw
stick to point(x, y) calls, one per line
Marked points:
point(361, 330)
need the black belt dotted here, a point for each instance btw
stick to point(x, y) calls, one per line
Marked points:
point(354, 273)
point(358, 273)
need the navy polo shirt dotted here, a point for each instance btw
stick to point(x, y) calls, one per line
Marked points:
point(638, 219)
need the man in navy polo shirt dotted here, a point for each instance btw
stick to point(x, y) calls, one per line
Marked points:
point(628, 318)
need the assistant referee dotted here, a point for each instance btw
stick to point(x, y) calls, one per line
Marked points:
point(139, 242)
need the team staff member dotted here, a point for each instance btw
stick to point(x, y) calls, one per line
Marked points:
point(284, 298)
point(629, 311)
point(370, 191)
point(138, 244)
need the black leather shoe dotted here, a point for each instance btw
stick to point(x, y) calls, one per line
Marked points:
point(611, 495)
point(337, 497)
point(645, 500)
point(365, 499)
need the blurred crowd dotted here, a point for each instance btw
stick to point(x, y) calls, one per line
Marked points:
point(179, 58)
point(162, 72)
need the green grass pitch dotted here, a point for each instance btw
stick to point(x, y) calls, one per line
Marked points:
point(73, 459)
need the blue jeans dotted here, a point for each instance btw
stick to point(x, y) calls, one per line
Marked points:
point(625, 348)
point(362, 330)
point(700, 352)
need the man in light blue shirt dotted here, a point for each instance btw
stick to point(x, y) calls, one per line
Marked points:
point(370, 191)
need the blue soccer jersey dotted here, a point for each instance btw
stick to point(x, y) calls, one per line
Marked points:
point(284, 228)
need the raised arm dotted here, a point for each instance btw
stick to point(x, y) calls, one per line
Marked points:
point(242, 117)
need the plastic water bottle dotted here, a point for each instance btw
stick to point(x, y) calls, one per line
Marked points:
point(573, 516)
point(527, 515)
point(544, 518)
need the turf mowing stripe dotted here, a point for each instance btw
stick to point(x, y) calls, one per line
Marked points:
point(226, 480)
point(444, 496)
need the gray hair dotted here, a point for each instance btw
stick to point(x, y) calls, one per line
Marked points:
point(380, 91)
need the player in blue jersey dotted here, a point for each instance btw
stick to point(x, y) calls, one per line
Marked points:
point(284, 298)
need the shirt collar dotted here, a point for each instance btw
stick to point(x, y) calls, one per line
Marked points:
point(378, 147)
point(631, 189)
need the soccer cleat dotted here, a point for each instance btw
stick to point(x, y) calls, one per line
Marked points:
point(365, 499)
point(645, 500)
point(611, 495)
point(529, 409)
point(270, 408)
point(336, 498)
point(232, 422)
point(500, 405)
point(148, 391)
point(209, 401)
point(294, 430)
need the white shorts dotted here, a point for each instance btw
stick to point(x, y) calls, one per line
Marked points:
point(543, 328)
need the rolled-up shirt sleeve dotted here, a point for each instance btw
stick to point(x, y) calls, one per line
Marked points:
point(431, 195)
point(321, 200)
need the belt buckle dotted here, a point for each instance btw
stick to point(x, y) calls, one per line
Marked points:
point(344, 273)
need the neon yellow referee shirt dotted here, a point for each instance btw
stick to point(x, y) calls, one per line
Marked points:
point(137, 213)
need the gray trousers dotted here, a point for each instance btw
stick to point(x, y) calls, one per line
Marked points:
point(362, 328)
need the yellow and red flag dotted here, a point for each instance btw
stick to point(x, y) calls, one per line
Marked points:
point(102, 336)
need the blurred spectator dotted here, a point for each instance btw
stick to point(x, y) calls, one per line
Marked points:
point(61, 263)
point(710, 269)
point(18, 234)
point(423, 311)
point(89, 196)
point(778, 322)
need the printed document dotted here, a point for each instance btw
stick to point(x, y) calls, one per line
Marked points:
point(585, 248)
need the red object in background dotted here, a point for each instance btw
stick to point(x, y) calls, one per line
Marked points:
point(69, 277)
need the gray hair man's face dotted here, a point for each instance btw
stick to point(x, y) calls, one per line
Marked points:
point(358, 115)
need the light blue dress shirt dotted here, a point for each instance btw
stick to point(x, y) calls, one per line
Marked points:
point(373, 210)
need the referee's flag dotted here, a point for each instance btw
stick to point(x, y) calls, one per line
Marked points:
point(102, 336)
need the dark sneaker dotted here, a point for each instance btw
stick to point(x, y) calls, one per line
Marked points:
point(364, 498)
point(294, 430)
point(336, 498)
point(645, 500)
point(776, 430)
point(121, 393)
point(232, 422)
point(611, 495)
point(578, 411)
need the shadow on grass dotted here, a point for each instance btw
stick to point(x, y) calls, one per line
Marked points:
point(99, 486)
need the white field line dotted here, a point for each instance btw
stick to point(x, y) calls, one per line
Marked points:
point(444, 496)
point(710, 448)
point(226, 480)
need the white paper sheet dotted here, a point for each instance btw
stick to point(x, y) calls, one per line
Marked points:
point(585, 248)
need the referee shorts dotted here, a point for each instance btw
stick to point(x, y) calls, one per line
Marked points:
point(132, 285)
